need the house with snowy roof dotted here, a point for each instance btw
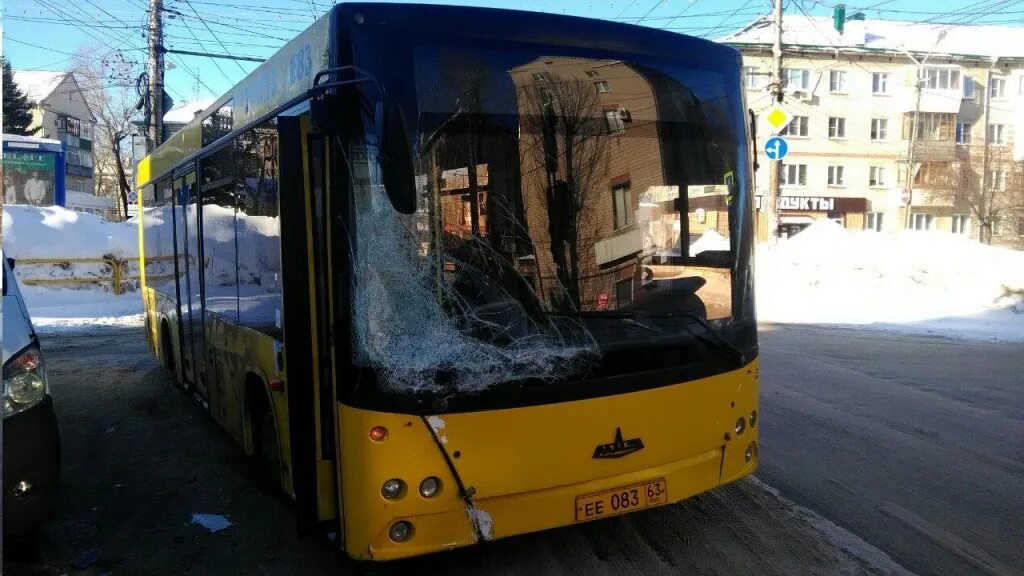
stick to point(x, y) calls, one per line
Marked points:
point(851, 91)
point(60, 112)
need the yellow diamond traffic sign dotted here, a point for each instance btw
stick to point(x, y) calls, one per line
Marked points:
point(778, 117)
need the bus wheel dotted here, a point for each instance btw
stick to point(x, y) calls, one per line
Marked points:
point(266, 453)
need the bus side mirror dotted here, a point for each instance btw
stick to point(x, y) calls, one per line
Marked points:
point(395, 157)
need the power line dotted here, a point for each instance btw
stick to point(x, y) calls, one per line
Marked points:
point(201, 19)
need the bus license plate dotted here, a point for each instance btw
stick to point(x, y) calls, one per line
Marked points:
point(621, 500)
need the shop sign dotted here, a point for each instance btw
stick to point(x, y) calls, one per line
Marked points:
point(807, 203)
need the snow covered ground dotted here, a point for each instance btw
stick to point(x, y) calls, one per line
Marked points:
point(61, 309)
point(919, 282)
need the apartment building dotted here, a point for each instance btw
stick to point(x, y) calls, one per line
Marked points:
point(853, 98)
point(61, 113)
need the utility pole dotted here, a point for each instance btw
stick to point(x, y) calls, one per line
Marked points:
point(985, 229)
point(771, 204)
point(156, 73)
point(912, 147)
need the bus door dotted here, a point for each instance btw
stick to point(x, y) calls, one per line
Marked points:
point(192, 303)
point(309, 360)
point(183, 334)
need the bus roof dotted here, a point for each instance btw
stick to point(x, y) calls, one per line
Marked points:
point(289, 72)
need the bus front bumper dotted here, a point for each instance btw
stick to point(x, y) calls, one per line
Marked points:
point(510, 515)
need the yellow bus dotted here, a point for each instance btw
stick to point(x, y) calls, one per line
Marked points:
point(454, 274)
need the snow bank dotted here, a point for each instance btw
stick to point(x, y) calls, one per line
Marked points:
point(928, 282)
point(56, 232)
point(61, 310)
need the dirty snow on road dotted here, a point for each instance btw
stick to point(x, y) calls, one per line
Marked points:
point(920, 282)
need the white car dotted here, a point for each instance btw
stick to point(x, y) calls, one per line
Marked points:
point(31, 442)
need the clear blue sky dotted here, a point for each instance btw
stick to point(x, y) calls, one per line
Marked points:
point(43, 34)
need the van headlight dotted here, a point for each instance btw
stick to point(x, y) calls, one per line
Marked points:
point(24, 381)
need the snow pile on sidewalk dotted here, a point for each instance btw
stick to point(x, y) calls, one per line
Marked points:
point(923, 282)
point(56, 232)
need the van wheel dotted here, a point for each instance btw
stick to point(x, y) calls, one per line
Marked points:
point(266, 453)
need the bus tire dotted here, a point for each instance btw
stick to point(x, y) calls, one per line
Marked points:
point(266, 448)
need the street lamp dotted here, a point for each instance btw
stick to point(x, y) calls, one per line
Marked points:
point(911, 146)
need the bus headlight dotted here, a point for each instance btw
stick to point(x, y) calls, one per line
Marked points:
point(429, 487)
point(24, 381)
point(753, 418)
point(741, 425)
point(392, 489)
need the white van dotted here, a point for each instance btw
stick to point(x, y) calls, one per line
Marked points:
point(31, 442)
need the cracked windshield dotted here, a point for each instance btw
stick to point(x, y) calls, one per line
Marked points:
point(568, 208)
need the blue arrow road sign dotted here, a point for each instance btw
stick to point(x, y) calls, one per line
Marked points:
point(775, 148)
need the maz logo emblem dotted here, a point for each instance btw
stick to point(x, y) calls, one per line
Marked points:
point(619, 447)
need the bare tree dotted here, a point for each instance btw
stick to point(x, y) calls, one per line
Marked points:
point(108, 87)
point(991, 198)
point(563, 117)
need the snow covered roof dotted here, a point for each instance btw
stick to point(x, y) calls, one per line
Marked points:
point(186, 112)
point(886, 35)
point(30, 139)
point(38, 84)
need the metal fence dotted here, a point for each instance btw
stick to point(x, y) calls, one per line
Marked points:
point(122, 275)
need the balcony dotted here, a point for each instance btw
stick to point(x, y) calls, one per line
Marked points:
point(619, 246)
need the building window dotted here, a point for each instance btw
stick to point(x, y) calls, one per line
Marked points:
point(796, 127)
point(998, 88)
point(540, 76)
point(592, 74)
point(961, 224)
point(922, 221)
point(794, 175)
point(797, 78)
point(997, 133)
point(753, 78)
point(942, 78)
point(836, 127)
point(874, 222)
point(933, 174)
point(997, 180)
point(602, 87)
point(879, 82)
point(614, 120)
point(876, 176)
point(879, 128)
point(963, 133)
point(624, 293)
point(968, 88)
point(622, 207)
point(837, 81)
point(930, 125)
point(835, 176)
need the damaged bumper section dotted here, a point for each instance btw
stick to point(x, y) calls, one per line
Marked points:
point(506, 472)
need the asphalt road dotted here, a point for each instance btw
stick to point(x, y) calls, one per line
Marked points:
point(915, 444)
point(911, 444)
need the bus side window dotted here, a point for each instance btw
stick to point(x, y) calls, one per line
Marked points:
point(259, 230)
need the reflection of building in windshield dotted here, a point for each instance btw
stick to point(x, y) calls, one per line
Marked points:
point(605, 146)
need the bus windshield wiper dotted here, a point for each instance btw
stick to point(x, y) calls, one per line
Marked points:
point(712, 338)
